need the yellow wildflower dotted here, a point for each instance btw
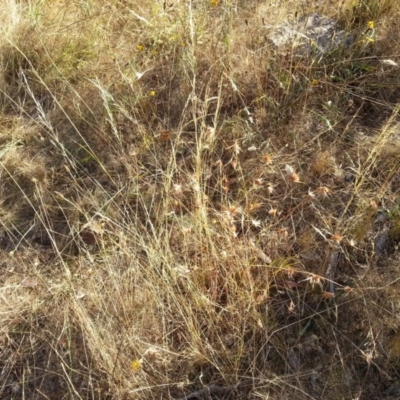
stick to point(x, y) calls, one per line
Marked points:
point(152, 93)
point(139, 47)
point(370, 32)
point(214, 2)
point(136, 365)
point(314, 82)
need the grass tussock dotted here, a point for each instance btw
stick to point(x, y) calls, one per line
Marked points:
point(187, 211)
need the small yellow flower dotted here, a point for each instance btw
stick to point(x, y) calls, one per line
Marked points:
point(152, 93)
point(314, 82)
point(371, 24)
point(214, 2)
point(136, 365)
point(139, 47)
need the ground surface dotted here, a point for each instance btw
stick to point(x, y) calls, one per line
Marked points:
point(190, 211)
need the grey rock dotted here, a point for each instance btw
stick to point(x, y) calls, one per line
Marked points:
point(311, 34)
point(381, 244)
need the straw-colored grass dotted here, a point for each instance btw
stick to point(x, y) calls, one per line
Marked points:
point(187, 212)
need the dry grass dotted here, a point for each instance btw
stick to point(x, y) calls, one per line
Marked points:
point(186, 211)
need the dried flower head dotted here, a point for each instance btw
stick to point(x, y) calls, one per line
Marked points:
point(337, 238)
point(315, 280)
point(294, 178)
point(323, 191)
point(235, 148)
point(283, 233)
point(257, 182)
point(267, 158)
point(292, 174)
point(273, 212)
point(177, 189)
